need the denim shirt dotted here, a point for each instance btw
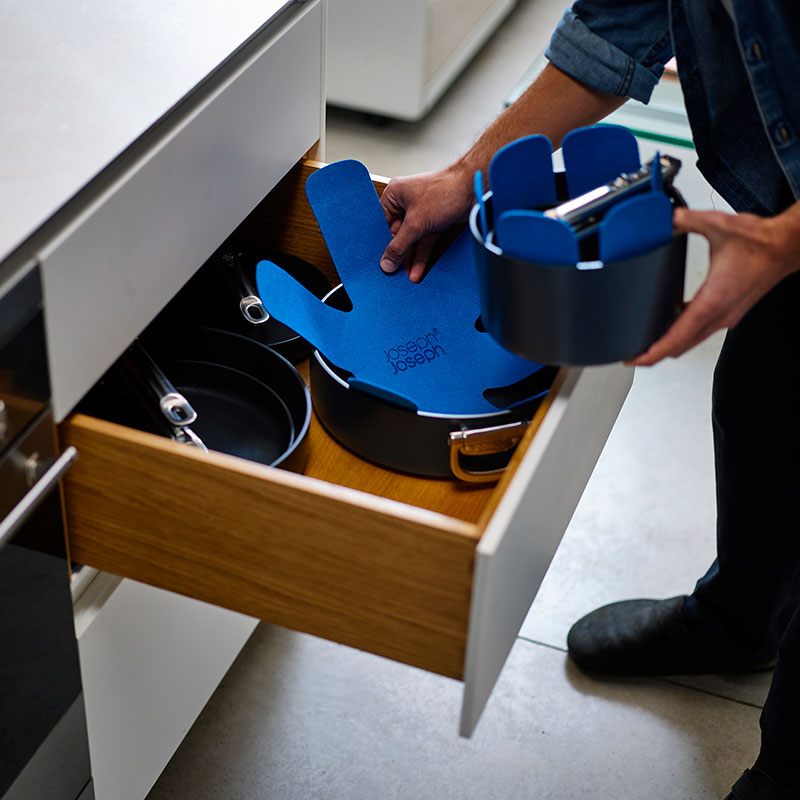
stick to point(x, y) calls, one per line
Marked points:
point(740, 76)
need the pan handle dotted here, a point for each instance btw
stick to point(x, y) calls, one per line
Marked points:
point(146, 379)
point(186, 435)
point(236, 276)
point(483, 442)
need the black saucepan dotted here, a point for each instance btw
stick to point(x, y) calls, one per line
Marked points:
point(223, 295)
point(474, 447)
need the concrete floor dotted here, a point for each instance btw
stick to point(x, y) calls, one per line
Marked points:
point(298, 717)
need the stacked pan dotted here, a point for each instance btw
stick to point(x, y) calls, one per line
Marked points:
point(216, 372)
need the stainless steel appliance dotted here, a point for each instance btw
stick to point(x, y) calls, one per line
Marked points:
point(44, 752)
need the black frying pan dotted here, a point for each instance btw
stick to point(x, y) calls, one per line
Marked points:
point(249, 401)
point(235, 412)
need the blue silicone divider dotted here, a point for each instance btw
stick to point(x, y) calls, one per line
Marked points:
point(481, 205)
point(635, 226)
point(656, 178)
point(416, 345)
point(596, 155)
point(521, 175)
point(531, 236)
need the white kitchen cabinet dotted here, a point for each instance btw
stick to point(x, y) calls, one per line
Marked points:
point(436, 574)
point(150, 660)
point(136, 137)
point(396, 59)
point(432, 573)
point(176, 194)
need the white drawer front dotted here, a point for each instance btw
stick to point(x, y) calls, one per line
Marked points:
point(129, 253)
point(521, 540)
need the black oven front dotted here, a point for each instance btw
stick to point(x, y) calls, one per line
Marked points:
point(44, 752)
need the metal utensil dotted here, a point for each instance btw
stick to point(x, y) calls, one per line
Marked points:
point(583, 213)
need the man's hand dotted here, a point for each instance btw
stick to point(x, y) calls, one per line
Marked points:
point(417, 207)
point(748, 256)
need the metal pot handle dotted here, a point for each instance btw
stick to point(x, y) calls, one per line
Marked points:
point(480, 442)
point(236, 276)
point(168, 407)
point(146, 379)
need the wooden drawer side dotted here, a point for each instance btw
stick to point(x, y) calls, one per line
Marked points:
point(340, 564)
point(284, 221)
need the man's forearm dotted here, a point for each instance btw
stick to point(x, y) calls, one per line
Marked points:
point(553, 105)
point(418, 205)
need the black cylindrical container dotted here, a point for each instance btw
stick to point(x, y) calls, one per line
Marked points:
point(578, 317)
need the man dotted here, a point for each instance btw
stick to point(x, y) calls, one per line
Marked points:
point(738, 61)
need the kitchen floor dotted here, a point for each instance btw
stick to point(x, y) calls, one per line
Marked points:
point(297, 717)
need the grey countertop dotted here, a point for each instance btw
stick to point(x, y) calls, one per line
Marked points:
point(80, 81)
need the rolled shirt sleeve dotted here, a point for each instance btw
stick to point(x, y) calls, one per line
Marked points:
point(615, 47)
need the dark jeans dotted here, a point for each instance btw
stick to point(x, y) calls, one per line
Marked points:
point(752, 590)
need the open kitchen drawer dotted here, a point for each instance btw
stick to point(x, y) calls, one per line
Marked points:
point(434, 573)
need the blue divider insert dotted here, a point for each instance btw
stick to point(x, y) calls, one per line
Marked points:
point(656, 178)
point(531, 236)
point(521, 175)
point(412, 344)
point(596, 155)
point(635, 226)
point(593, 156)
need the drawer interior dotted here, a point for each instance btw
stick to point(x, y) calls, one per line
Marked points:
point(349, 551)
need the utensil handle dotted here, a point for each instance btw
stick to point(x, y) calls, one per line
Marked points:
point(154, 388)
point(583, 210)
point(483, 442)
point(238, 280)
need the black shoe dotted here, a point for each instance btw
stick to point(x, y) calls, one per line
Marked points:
point(757, 785)
point(650, 637)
